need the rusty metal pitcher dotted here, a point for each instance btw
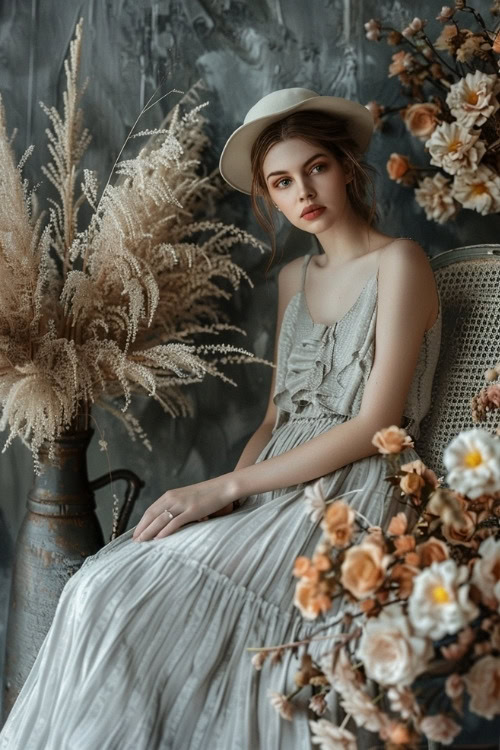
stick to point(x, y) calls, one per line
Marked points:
point(59, 530)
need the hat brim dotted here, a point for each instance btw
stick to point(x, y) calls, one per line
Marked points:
point(235, 165)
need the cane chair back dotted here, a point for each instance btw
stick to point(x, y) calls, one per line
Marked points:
point(468, 279)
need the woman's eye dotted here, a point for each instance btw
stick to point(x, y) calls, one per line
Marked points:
point(318, 167)
point(280, 183)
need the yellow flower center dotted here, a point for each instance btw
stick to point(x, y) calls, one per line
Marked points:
point(440, 595)
point(473, 459)
point(479, 189)
point(472, 97)
point(454, 146)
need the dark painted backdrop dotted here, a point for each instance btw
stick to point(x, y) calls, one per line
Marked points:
point(241, 50)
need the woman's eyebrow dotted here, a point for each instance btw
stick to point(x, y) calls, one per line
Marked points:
point(311, 158)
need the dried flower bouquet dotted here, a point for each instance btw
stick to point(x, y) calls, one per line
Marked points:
point(418, 611)
point(452, 87)
point(115, 308)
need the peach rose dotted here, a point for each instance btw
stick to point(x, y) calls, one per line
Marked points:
point(338, 523)
point(403, 575)
point(396, 732)
point(404, 544)
point(392, 440)
point(483, 686)
point(377, 110)
point(421, 469)
point(309, 599)
point(421, 119)
point(461, 532)
point(486, 573)
point(363, 569)
point(397, 166)
point(411, 484)
point(433, 550)
point(401, 61)
point(398, 524)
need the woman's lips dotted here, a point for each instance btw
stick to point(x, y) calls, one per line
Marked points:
point(310, 215)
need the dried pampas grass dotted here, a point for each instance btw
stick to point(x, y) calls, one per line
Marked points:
point(119, 307)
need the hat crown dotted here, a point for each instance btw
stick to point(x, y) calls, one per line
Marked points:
point(277, 101)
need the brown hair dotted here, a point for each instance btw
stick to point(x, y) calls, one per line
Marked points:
point(331, 134)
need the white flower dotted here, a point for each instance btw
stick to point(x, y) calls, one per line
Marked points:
point(473, 98)
point(434, 195)
point(483, 684)
point(330, 737)
point(439, 603)
point(390, 651)
point(440, 728)
point(315, 500)
point(479, 190)
point(472, 460)
point(486, 573)
point(454, 148)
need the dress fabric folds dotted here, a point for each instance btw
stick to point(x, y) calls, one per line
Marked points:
point(147, 649)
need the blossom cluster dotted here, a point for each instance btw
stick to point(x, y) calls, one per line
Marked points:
point(453, 88)
point(131, 303)
point(412, 604)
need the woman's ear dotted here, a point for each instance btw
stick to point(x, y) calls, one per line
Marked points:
point(348, 170)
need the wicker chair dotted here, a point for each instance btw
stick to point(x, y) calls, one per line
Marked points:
point(468, 280)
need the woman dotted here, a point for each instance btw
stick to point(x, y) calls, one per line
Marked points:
point(148, 645)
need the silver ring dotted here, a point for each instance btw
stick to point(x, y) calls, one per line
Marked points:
point(171, 515)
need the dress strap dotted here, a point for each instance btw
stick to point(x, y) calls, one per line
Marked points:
point(307, 258)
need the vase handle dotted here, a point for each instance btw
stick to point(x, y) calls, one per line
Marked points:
point(134, 486)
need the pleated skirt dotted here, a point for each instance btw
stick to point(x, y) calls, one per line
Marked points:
point(148, 646)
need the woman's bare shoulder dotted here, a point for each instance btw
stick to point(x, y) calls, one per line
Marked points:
point(290, 277)
point(404, 255)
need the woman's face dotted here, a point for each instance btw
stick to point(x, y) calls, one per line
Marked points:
point(307, 183)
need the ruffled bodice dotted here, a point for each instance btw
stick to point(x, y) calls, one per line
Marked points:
point(322, 369)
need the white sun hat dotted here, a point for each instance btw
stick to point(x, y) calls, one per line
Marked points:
point(235, 166)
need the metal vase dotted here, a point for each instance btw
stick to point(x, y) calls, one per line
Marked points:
point(60, 529)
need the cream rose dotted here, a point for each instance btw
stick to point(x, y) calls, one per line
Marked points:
point(390, 651)
point(338, 523)
point(363, 569)
point(483, 685)
point(421, 119)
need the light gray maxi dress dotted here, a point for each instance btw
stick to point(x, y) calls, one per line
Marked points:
point(147, 650)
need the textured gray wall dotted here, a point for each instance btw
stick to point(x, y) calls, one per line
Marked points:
point(242, 50)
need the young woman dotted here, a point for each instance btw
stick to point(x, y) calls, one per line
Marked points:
point(147, 649)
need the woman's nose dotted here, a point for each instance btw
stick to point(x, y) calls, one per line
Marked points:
point(306, 190)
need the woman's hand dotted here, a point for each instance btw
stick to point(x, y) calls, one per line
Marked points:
point(183, 505)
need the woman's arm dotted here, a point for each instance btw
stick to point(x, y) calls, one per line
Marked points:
point(406, 298)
